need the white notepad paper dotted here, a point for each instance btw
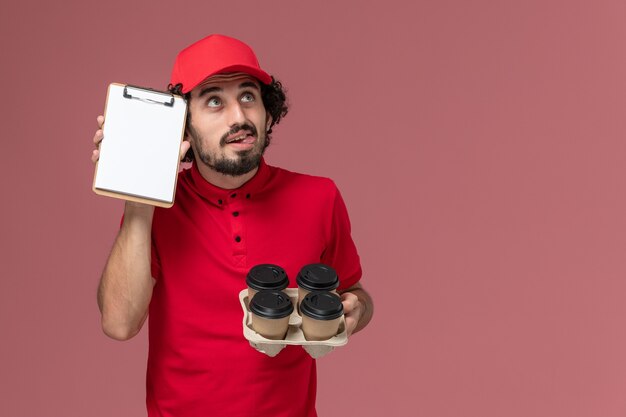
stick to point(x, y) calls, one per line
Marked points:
point(139, 155)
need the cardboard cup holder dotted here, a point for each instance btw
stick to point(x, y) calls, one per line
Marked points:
point(294, 336)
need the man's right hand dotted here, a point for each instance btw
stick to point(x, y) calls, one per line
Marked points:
point(126, 284)
point(97, 138)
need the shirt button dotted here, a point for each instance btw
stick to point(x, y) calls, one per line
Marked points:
point(248, 195)
point(219, 201)
point(235, 213)
point(233, 195)
point(237, 239)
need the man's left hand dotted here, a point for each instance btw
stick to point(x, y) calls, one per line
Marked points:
point(352, 309)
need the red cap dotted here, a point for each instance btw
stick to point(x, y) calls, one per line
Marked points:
point(215, 54)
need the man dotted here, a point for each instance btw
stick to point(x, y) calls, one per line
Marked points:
point(185, 266)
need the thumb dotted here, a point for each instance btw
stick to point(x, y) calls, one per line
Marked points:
point(184, 147)
point(349, 302)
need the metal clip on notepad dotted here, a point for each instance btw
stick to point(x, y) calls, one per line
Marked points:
point(148, 95)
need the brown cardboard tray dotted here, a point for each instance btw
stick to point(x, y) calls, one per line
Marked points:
point(316, 349)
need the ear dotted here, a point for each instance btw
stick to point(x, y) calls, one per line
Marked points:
point(268, 122)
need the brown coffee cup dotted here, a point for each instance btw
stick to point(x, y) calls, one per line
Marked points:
point(321, 315)
point(270, 314)
point(266, 277)
point(316, 277)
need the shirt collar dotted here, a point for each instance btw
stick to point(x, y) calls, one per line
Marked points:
point(220, 195)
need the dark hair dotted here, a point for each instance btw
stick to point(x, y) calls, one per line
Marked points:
point(274, 101)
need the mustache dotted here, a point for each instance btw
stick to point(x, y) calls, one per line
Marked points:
point(236, 128)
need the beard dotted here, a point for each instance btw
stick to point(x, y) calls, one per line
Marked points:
point(244, 161)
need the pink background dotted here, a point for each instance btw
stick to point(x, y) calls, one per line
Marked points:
point(479, 146)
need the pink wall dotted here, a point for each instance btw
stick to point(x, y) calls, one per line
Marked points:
point(479, 147)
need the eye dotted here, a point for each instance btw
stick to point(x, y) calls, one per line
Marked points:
point(247, 97)
point(214, 102)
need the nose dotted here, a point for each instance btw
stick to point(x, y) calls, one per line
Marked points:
point(235, 114)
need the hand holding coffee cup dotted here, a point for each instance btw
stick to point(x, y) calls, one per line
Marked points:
point(352, 310)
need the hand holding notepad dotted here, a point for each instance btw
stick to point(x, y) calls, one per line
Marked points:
point(138, 159)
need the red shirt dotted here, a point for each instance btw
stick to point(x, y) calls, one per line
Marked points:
point(199, 363)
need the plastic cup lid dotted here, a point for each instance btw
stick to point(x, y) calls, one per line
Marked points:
point(271, 304)
point(267, 277)
point(322, 305)
point(317, 277)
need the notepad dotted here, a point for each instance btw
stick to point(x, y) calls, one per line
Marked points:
point(139, 155)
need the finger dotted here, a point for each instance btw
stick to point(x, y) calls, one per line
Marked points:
point(98, 136)
point(354, 312)
point(184, 147)
point(351, 323)
point(100, 120)
point(95, 155)
point(349, 302)
point(352, 318)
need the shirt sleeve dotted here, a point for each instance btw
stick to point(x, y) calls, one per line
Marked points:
point(341, 252)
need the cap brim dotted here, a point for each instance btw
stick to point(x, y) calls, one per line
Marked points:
point(257, 73)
